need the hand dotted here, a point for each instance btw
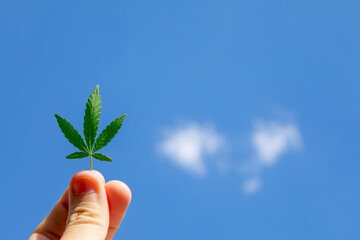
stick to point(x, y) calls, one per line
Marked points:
point(89, 209)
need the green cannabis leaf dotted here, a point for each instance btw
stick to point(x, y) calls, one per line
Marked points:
point(91, 118)
point(89, 146)
point(71, 133)
point(108, 133)
point(77, 155)
point(102, 157)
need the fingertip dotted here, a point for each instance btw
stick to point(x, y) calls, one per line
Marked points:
point(119, 197)
point(90, 175)
point(88, 207)
point(98, 174)
point(120, 190)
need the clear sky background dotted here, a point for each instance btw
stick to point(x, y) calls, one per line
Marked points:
point(243, 116)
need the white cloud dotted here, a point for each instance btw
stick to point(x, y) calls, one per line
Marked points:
point(251, 185)
point(187, 146)
point(190, 146)
point(272, 139)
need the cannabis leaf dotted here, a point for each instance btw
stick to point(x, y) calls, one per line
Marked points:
point(89, 146)
point(91, 118)
point(102, 157)
point(71, 133)
point(77, 155)
point(108, 133)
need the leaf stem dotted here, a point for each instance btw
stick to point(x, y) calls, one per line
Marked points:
point(90, 162)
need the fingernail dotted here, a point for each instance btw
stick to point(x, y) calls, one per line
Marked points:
point(83, 186)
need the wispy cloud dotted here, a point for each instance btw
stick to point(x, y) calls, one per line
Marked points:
point(270, 140)
point(251, 185)
point(187, 146)
point(191, 145)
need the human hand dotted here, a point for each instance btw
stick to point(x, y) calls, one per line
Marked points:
point(89, 209)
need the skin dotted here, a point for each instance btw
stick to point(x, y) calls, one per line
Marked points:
point(89, 209)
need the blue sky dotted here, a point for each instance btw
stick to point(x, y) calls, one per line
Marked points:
point(242, 122)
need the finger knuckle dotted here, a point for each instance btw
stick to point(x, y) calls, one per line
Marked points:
point(87, 213)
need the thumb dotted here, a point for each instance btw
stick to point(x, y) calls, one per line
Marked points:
point(88, 216)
